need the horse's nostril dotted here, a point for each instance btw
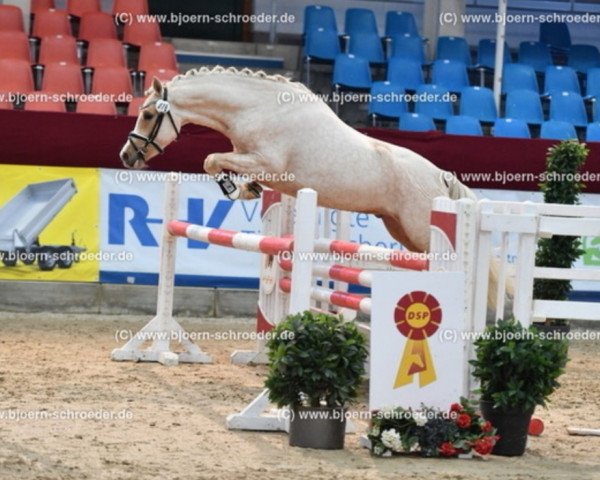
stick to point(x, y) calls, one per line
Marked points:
point(125, 156)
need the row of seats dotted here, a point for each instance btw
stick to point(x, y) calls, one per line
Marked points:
point(91, 107)
point(78, 8)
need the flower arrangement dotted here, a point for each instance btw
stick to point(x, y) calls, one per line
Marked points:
point(430, 432)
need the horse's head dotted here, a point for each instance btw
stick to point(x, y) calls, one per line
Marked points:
point(151, 133)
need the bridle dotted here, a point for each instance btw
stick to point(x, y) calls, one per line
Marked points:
point(163, 107)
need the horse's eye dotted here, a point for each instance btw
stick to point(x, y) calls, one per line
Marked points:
point(148, 116)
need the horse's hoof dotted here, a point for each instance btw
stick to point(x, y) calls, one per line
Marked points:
point(254, 189)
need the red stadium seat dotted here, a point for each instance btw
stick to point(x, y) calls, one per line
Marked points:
point(163, 74)
point(63, 78)
point(45, 106)
point(58, 48)
point(112, 80)
point(78, 8)
point(133, 7)
point(157, 55)
point(38, 5)
point(133, 109)
point(98, 108)
point(11, 18)
point(105, 52)
point(140, 33)
point(15, 76)
point(14, 45)
point(5, 104)
point(51, 22)
point(97, 25)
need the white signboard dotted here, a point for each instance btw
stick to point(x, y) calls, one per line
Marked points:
point(417, 353)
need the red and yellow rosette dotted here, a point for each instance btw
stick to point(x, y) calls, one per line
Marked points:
point(417, 316)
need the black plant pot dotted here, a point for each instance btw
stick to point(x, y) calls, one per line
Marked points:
point(318, 427)
point(512, 426)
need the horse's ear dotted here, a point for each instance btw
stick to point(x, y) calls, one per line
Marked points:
point(157, 85)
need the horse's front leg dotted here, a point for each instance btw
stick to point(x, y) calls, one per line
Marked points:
point(241, 163)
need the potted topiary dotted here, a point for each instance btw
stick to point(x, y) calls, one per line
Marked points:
point(316, 363)
point(517, 369)
point(560, 185)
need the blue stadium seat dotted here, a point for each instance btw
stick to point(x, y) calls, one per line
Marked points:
point(596, 112)
point(400, 23)
point(367, 45)
point(416, 122)
point(568, 107)
point(360, 20)
point(557, 130)
point(584, 57)
point(592, 89)
point(462, 125)
point(486, 54)
point(322, 44)
point(319, 16)
point(593, 132)
point(524, 105)
point(434, 101)
point(535, 54)
point(511, 128)
point(561, 79)
point(405, 72)
point(387, 99)
point(351, 71)
point(453, 48)
point(478, 102)
point(450, 74)
point(555, 34)
point(517, 76)
point(408, 46)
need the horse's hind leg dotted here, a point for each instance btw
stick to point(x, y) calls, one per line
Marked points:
point(241, 163)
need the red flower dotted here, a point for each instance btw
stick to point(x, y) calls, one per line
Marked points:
point(484, 446)
point(448, 450)
point(456, 407)
point(486, 427)
point(463, 420)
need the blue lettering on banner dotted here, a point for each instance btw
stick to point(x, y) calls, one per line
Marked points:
point(196, 216)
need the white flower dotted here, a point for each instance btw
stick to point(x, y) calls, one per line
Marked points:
point(420, 418)
point(391, 439)
point(379, 450)
point(375, 431)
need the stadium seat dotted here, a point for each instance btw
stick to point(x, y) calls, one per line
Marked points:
point(112, 80)
point(367, 45)
point(405, 72)
point(98, 108)
point(63, 78)
point(593, 132)
point(596, 112)
point(557, 130)
point(14, 45)
point(360, 20)
point(97, 25)
point(37, 5)
point(157, 55)
point(387, 100)
point(78, 8)
point(511, 128)
point(535, 54)
point(486, 54)
point(555, 34)
point(317, 16)
point(322, 44)
point(400, 23)
point(434, 101)
point(478, 102)
point(45, 106)
point(133, 7)
point(416, 122)
point(517, 76)
point(408, 46)
point(138, 34)
point(11, 19)
point(351, 71)
point(584, 57)
point(453, 48)
point(58, 48)
point(450, 74)
point(592, 89)
point(6, 105)
point(105, 52)
point(524, 105)
point(133, 109)
point(163, 74)
point(462, 125)
point(561, 79)
point(568, 107)
point(51, 22)
point(15, 76)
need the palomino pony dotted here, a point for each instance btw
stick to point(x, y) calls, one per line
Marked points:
point(282, 133)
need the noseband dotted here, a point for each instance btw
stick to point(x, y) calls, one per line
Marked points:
point(163, 107)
